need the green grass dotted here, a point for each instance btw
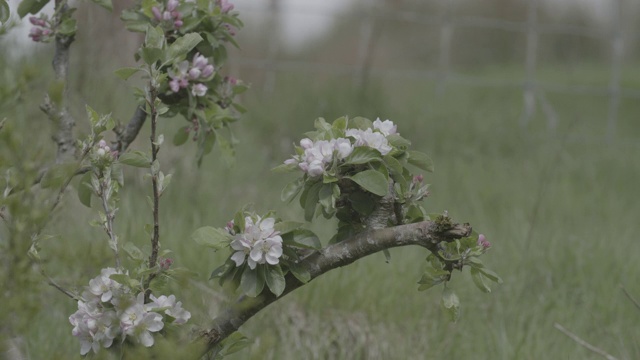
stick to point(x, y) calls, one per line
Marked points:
point(560, 210)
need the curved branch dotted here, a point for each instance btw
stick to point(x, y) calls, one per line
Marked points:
point(126, 135)
point(427, 234)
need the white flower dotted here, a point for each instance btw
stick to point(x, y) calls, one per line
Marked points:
point(386, 127)
point(103, 286)
point(172, 308)
point(136, 321)
point(199, 90)
point(306, 143)
point(343, 147)
point(315, 168)
point(259, 241)
point(371, 139)
point(199, 61)
point(93, 326)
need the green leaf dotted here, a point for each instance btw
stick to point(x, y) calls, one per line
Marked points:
point(490, 275)
point(67, 27)
point(285, 227)
point(105, 4)
point(326, 199)
point(4, 11)
point(311, 200)
point(372, 181)
point(305, 239)
point(362, 202)
point(275, 279)
point(450, 304)
point(252, 281)
point(432, 277)
point(85, 190)
point(126, 72)
point(181, 136)
point(292, 189)
point(151, 55)
point(183, 45)
point(154, 38)
point(421, 160)
point(135, 158)
point(133, 251)
point(222, 269)
point(398, 141)
point(340, 124)
point(362, 155)
point(234, 343)
point(300, 273)
point(360, 123)
point(57, 175)
point(30, 7)
point(211, 237)
point(478, 279)
point(393, 164)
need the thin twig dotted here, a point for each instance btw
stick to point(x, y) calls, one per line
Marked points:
point(590, 347)
point(633, 300)
point(155, 238)
point(110, 215)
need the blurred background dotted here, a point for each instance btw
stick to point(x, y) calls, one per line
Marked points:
point(529, 108)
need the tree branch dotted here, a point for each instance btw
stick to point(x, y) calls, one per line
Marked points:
point(581, 342)
point(61, 116)
point(427, 234)
point(126, 135)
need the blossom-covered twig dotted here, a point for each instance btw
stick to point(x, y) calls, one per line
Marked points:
point(427, 234)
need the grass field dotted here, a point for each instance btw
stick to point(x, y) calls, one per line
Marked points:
point(561, 211)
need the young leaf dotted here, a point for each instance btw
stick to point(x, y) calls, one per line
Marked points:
point(211, 237)
point(275, 279)
point(300, 273)
point(420, 160)
point(85, 190)
point(478, 279)
point(450, 304)
point(135, 158)
point(133, 251)
point(305, 239)
point(126, 72)
point(4, 11)
point(285, 227)
point(183, 45)
point(372, 181)
point(30, 6)
point(362, 155)
point(393, 164)
point(291, 190)
point(252, 281)
point(311, 201)
point(490, 275)
point(181, 136)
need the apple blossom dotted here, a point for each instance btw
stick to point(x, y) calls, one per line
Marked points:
point(258, 244)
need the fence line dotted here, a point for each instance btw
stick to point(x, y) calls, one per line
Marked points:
point(533, 91)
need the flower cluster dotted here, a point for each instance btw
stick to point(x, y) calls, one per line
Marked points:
point(318, 155)
point(170, 16)
point(111, 310)
point(259, 243)
point(41, 30)
point(185, 74)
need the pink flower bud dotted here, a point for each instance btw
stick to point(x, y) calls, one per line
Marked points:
point(178, 24)
point(165, 264)
point(34, 20)
point(229, 227)
point(418, 179)
point(184, 83)
point(172, 5)
point(102, 143)
point(482, 241)
point(46, 32)
point(200, 61)
point(230, 29)
point(207, 71)
point(174, 85)
point(157, 14)
point(166, 15)
point(194, 73)
point(176, 15)
point(231, 80)
point(225, 6)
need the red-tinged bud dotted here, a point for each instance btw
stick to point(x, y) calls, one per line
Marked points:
point(172, 5)
point(157, 14)
point(165, 264)
point(482, 241)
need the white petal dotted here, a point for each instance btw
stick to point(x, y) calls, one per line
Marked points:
point(146, 339)
point(238, 257)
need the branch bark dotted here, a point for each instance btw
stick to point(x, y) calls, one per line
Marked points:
point(427, 234)
point(126, 135)
point(59, 113)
